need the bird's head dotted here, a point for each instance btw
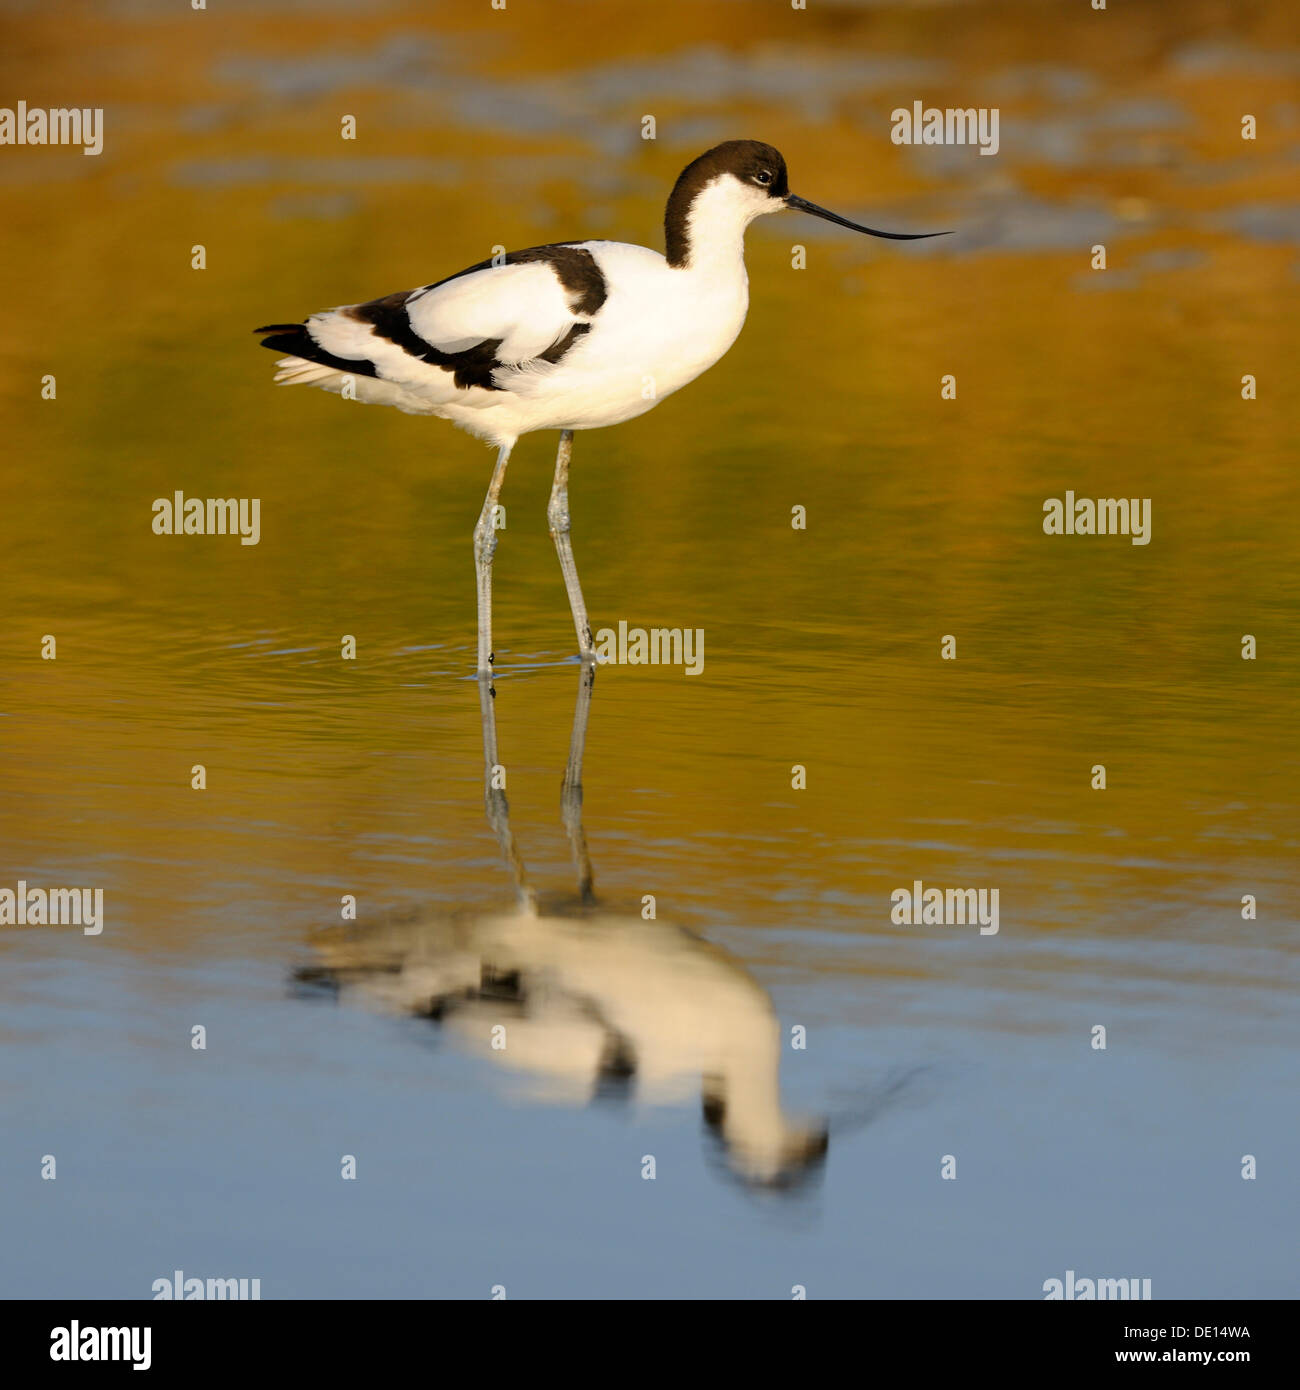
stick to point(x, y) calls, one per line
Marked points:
point(727, 187)
point(766, 1153)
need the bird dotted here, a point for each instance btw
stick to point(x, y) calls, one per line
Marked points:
point(570, 336)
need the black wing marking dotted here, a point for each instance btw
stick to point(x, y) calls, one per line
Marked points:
point(389, 317)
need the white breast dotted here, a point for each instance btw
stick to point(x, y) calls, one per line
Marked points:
point(658, 329)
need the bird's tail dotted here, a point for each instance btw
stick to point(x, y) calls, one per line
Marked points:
point(301, 365)
point(307, 361)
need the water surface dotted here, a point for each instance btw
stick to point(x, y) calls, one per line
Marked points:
point(325, 777)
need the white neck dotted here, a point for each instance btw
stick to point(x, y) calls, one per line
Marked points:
point(755, 1126)
point(715, 227)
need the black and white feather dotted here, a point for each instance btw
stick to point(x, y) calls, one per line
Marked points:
point(461, 344)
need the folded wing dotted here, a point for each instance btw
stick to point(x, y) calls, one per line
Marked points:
point(470, 331)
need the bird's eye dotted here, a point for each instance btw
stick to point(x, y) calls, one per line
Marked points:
point(763, 176)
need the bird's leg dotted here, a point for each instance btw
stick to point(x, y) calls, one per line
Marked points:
point(485, 544)
point(494, 799)
point(557, 515)
point(571, 790)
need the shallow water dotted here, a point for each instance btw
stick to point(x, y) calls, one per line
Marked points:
point(328, 777)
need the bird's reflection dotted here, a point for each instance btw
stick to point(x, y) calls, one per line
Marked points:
point(585, 1002)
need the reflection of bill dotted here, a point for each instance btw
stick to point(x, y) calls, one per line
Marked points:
point(586, 1002)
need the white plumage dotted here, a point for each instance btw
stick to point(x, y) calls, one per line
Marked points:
point(657, 329)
